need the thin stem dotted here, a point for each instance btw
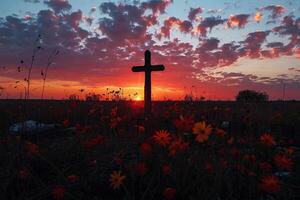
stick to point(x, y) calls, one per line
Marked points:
point(35, 50)
point(50, 61)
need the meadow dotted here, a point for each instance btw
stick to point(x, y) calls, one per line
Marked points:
point(188, 150)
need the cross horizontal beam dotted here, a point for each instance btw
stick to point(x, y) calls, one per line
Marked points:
point(148, 68)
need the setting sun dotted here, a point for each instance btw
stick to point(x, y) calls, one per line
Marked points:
point(138, 98)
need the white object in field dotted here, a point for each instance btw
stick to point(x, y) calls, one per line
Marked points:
point(225, 124)
point(282, 174)
point(30, 126)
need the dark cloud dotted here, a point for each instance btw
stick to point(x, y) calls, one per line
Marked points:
point(92, 10)
point(275, 45)
point(157, 6)
point(184, 26)
point(276, 10)
point(238, 20)
point(32, 1)
point(290, 28)
point(58, 5)
point(209, 44)
point(125, 22)
point(74, 19)
point(252, 44)
point(208, 24)
point(194, 12)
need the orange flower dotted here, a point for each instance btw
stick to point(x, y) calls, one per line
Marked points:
point(290, 150)
point(178, 145)
point(145, 148)
point(115, 121)
point(265, 166)
point(166, 169)
point(99, 139)
point(58, 192)
point(73, 178)
point(282, 161)
point(162, 137)
point(169, 193)
point(184, 123)
point(114, 112)
point(270, 184)
point(230, 141)
point(141, 168)
point(140, 129)
point(66, 122)
point(220, 132)
point(250, 158)
point(202, 131)
point(267, 140)
point(31, 148)
point(116, 179)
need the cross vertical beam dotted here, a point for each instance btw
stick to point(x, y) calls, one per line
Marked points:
point(147, 87)
point(148, 68)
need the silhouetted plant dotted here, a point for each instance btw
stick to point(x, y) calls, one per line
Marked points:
point(44, 74)
point(252, 96)
point(92, 97)
point(73, 97)
point(36, 49)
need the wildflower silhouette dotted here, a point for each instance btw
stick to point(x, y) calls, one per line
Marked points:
point(267, 140)
point(184, 123)
point(58, 192)
point(202, 131)
point(169, 193)
point(116, 179)
point(270, 184)
point(283, 161)
point(162, 137)
point(31, 148)
point(145, 148)
point(177, 145)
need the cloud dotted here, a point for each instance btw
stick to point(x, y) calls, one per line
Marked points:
point(194, 12)
point(184, 26)
point(125, 22)
point(32, 1)
point(238, 20)
point(208, 24)
point(157, 6)
point(92, 10)
point(58, 5)
point(74, 19)
point(289, 26)
point(252, 44)
point(214, 11)
point(276, 10)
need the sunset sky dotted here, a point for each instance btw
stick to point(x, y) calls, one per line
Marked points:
point(210, 48)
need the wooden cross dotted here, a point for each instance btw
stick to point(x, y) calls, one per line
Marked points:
point(148, 68)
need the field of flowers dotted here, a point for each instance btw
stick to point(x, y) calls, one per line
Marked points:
point(188, 150)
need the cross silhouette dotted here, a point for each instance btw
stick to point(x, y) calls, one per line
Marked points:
point(148, 68)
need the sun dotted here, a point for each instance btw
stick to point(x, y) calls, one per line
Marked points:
point(138, 98)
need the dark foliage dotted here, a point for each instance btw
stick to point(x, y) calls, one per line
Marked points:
point(252, 96)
